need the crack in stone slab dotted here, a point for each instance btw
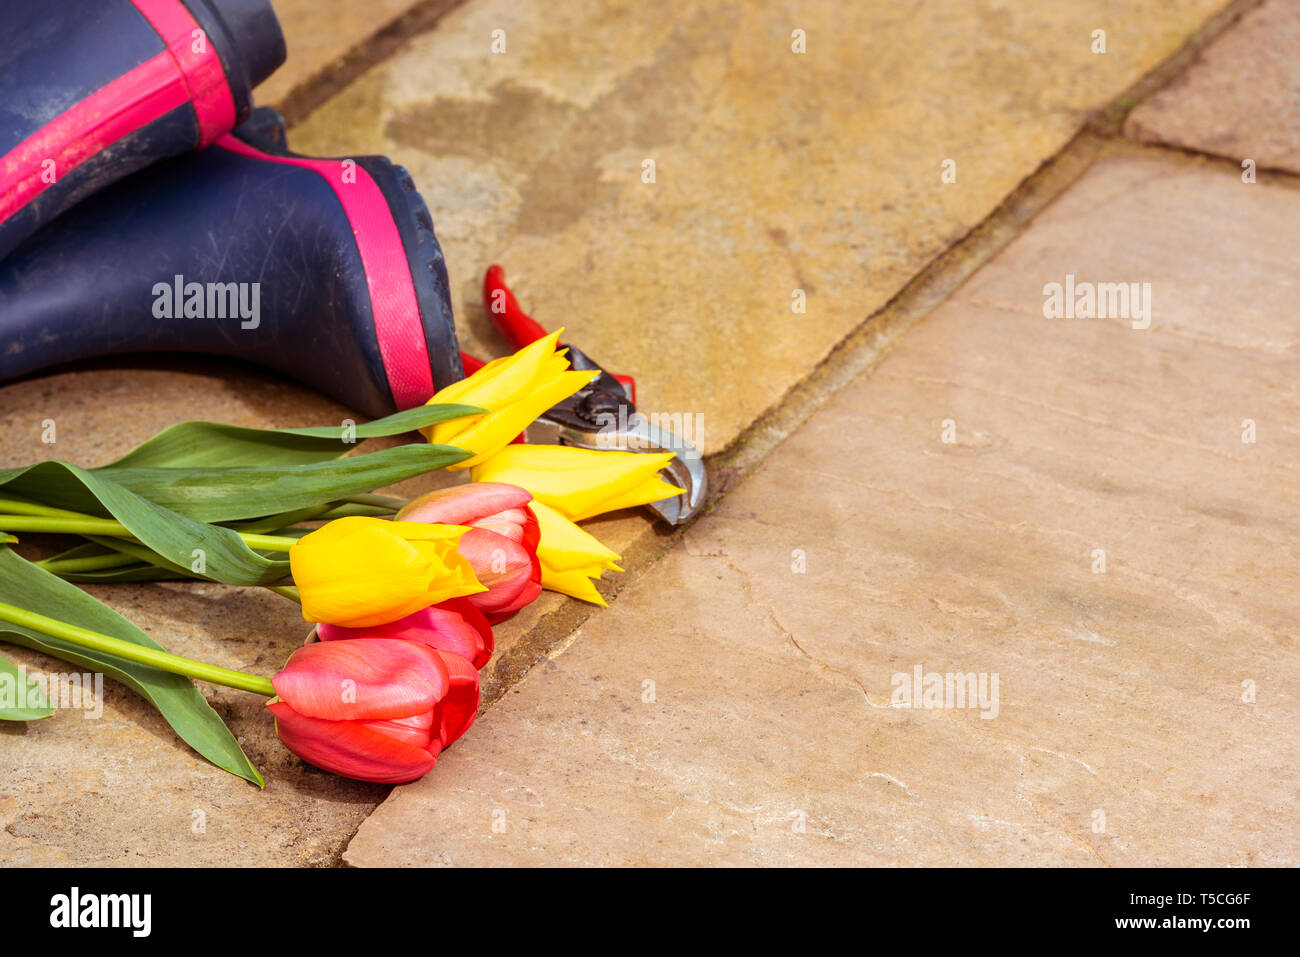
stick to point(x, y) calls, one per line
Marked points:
point(746, 584)
point(890, 779)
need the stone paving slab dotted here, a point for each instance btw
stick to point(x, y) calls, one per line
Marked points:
point(1241, 99)
point(737, 704)
point(775, 171)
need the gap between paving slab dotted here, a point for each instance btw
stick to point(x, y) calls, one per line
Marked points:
point(295, 98)
point(1240, 99)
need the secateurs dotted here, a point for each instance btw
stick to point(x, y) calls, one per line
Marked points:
point(602, 415)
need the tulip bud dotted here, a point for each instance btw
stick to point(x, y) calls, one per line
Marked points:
point(515, 390)
point(581, 483)
point(361, 571)
point(570, 557)
point(501, 543)
point(454, 626)
point(374, 709)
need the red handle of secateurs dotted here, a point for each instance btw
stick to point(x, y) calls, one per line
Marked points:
point(516, 326)
point(628, 383)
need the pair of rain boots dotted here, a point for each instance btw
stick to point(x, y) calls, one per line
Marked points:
point(146, 206)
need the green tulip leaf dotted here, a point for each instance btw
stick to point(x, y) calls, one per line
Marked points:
point(177, 699)
point(21, 699)
point(203, 444)
point(124, 568)
point(225, 494)
point(139, 572)
point(176, 538)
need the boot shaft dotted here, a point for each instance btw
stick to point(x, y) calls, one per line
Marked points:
point(327, 271)
point(93, 90)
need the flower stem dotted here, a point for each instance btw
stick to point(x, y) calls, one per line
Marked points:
point(140, 654)
point(20, 507)
point(61, 525)
point(288, 591)
point(90, 525)
point(92, 563)
point(387, 502)
point(268, 543)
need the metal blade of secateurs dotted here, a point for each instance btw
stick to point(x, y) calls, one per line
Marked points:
point(601, 416)
point(637, 434)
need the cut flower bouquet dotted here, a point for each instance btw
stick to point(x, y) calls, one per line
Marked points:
point(403, 595)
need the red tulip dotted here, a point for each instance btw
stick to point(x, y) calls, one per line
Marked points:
point(455, 625)
point(501, 544)
point(460, 707)
point(376, 709)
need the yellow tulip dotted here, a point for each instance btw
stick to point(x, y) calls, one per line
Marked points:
point(359, 571)
point(515, 390)
point(580, 483)
point(570, 557)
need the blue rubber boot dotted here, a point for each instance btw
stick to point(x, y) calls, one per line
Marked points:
point(93, 90)
point(327, 271)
